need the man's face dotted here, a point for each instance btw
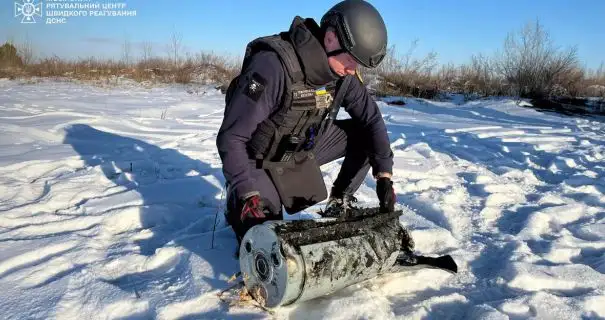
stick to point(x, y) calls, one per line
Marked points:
point(343, 63)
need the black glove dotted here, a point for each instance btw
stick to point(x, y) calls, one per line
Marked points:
point(252, 208)
point(386, 194)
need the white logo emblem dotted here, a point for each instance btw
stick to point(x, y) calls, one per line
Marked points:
point(28, 9)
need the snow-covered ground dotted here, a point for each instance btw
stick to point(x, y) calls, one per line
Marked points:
point(108, 198)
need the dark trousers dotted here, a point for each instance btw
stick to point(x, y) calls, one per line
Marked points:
point(342, 139)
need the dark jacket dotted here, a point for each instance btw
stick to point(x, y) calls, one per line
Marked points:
point(245, 111)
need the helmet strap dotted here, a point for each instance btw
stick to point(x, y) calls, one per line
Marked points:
point(335, 52)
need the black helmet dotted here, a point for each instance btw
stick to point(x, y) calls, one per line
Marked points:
point(360, 29)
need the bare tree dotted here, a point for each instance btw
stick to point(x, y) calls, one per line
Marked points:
point(146, 48)
point(481, 75)
point(407, 74)
point(531, 62)
point(10, 40)
point(594, 82)
point(126, 51)
point(174, 47)
point(26, 50)
point(405, 63)
point(446, 77)
point(600, 74)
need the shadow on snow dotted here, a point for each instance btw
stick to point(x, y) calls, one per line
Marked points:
point(178, 205)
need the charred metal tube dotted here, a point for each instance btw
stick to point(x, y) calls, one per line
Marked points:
point(283, 262)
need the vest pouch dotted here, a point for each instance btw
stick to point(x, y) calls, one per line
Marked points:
point(300, 185)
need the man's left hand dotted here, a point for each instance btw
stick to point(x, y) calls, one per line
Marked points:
point(386, 194)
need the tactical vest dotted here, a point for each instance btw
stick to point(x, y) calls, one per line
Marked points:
point(305, 111)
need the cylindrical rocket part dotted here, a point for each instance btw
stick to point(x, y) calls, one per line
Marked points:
point(283, 262)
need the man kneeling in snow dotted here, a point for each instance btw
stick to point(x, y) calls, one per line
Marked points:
point(279, 124)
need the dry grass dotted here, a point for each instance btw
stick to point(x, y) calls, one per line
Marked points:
point(528, 65)
point(204, 67)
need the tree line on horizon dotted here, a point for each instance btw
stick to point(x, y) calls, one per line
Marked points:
point(529, 65)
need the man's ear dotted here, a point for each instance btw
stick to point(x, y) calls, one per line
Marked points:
point(330, 40)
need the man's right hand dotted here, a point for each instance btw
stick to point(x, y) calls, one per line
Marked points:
point(252, 208)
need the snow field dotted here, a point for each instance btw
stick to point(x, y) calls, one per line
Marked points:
point(108, 199)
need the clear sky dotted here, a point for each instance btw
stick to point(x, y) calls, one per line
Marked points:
point(454, 29)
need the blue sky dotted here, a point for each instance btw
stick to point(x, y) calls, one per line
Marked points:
point(455, 29)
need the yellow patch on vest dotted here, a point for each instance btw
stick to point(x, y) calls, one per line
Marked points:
point(321, 92)
point(323, 98)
